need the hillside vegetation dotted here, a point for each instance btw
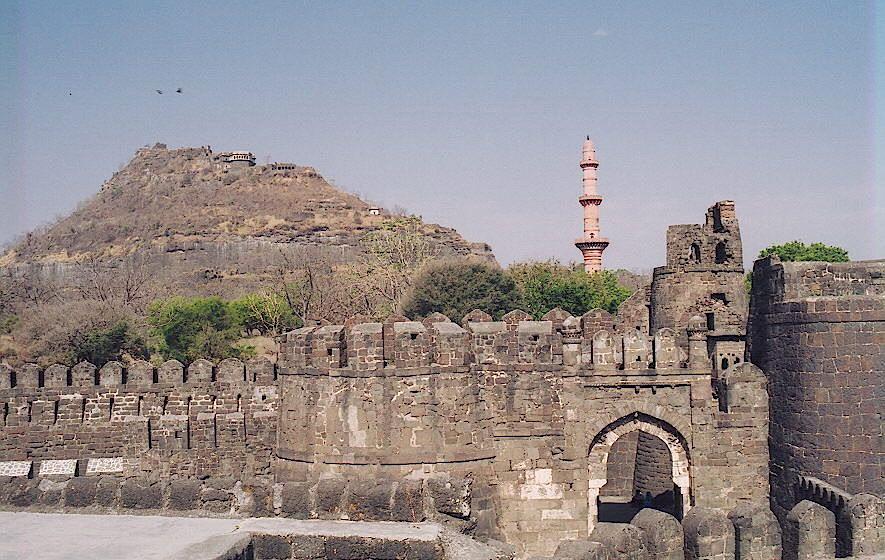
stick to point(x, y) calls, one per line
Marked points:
point(183, 222)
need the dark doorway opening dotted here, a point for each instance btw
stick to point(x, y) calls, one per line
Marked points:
point(639, 475)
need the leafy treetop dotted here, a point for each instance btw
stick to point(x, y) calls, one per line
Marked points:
point(799, 251)
point(458, 287)
point(545, 285)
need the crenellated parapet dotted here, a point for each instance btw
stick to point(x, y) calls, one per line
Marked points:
point(169, 419)
point(589, 343)
point(532, 410)
point(136, 375)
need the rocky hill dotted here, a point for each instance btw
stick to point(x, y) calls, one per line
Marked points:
point(201, 223)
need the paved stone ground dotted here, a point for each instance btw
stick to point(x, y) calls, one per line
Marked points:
point(126, 537)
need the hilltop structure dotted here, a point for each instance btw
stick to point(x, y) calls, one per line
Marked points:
point(591, 244)
point(194, 221)
point(550, 435)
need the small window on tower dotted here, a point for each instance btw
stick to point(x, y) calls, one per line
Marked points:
point(719, 297)
point(721, 255)
point(711, 322)
point(694, 254)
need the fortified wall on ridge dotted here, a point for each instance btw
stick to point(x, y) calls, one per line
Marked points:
point(549, 435)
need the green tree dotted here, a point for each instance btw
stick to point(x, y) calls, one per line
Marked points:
point(102, 345)
point(190, 328)
point(266, 312)
point(545, 285)
point(457, 287)
point(799, 251)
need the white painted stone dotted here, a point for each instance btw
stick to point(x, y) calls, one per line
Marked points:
point(540, 476)
point(540, 491)
point(105, 465)
point(62, 467)
point(556, 514)
point(15, 468)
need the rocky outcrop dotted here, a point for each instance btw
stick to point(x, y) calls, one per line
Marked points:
point(200, 225)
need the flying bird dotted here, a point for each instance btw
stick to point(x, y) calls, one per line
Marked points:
point(178, 90)
point(159, 91)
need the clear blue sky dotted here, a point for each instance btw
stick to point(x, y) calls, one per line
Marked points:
point(472, 114)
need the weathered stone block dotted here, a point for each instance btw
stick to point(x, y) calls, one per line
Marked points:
point(110, 374)
point(81, 492)
point(23, 492)
point(107, 493)
point(866, 517)
point(621, 540)
point(307, 547)
point(756, 531)
point(184, 495)
point(408, 501)
point(231, 370)
point(296, 500)
point(369, 500)
point(329, 497)
point(450, 495)
point(271, 547)
point(51, 492)
point(709, 535)
point(809, 532)
point(580, 550)
point(141, 494)
point(171, 371)
point(254, 499)
point(663, 534)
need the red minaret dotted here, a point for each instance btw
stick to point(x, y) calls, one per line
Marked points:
point(591, 244)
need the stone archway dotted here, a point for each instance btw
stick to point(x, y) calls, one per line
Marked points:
point(597, 459)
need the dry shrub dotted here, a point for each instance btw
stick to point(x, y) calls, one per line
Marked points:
point(51, 333)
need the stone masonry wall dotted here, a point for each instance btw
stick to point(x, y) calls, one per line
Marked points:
point(621, 467)
point(653, 466)
point(527, 410)
point(167, 422)
point(818, 332)
point(703, 276)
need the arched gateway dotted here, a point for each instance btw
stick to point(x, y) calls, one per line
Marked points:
point(603, 442)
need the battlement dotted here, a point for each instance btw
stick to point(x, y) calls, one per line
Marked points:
point(778, 281)
point(588, 343)
point(138, 375)
point(165, 421)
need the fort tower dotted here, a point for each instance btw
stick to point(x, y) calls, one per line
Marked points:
point(590, 244)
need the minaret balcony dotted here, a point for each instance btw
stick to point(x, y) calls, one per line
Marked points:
point(590, 199)
point(591, 243)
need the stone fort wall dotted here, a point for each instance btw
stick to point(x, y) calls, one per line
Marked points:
point(506, 425)
point(171, 422)
point(818, 332)
point(527, 410)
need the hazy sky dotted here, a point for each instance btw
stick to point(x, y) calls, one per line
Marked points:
point(472, 114)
